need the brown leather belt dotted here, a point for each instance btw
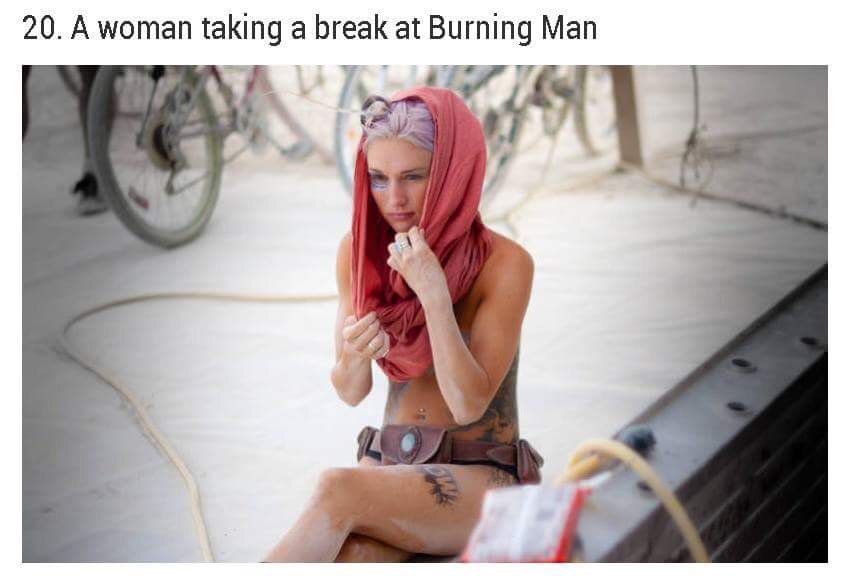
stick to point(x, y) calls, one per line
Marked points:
point(418, 444)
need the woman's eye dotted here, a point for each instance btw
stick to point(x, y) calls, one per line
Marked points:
point(378, 182)
point(413, 177)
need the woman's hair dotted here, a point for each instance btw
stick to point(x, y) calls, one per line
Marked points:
point(407, 119)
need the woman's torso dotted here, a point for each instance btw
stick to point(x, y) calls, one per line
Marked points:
point(419, 401)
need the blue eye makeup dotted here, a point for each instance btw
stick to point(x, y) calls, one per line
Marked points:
point(378, 182)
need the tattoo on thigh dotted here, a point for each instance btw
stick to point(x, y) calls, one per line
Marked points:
point(444, 485)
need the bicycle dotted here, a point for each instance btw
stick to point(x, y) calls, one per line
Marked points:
point(501, 96)
point(157, 137)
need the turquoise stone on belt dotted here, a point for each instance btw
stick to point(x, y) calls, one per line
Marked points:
point(407, 442)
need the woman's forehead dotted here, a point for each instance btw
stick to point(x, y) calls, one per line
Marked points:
point(397, 155)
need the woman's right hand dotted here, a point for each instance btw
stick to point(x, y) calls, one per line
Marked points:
point(365, 337)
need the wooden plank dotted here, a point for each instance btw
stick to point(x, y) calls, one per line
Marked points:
point(808, 539)
point(626, 114)
point(762, 518)
point(730, 489)
point(789, 518)
point(752, 479)
point(698, 437)
point(773, 445)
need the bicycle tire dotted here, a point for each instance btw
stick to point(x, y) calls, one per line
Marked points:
point(99, 135)
point(499, 161)
point(71, 81)
point(584, 126)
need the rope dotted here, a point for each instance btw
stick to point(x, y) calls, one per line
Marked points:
point(619, 451)
point(147, 423)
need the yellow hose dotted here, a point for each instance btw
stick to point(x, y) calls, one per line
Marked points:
point(146, 421)
point(619, 451)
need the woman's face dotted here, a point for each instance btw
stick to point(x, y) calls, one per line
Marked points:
point(399, 172)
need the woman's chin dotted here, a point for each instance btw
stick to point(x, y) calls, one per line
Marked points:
point(401, 226)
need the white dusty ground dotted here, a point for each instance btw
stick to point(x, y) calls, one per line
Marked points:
point(634, 287)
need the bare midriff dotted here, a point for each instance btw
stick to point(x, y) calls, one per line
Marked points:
point(419, 402)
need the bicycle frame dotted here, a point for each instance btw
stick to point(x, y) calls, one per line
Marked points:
point(226, 93)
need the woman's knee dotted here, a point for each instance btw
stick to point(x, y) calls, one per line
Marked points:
point(335, 487)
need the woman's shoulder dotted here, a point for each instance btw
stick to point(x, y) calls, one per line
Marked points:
point(345, 245)
point(508, 264)
point(508, 256)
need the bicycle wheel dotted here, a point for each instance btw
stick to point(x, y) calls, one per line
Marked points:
point(498, 96)
point(361, 82)
point(158, 158)
point(71, 79)
point(594, 109)
point(557, 89)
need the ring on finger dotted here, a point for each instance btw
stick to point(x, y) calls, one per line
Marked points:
point(385, 353)
point(401, 243)
point(385, 347)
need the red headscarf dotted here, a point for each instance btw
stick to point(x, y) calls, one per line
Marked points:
point(452, 227)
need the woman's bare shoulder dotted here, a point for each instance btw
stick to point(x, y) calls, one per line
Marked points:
point(344, 248)
point(508, 261)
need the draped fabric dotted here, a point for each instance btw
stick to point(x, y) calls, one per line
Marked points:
point(452, 227)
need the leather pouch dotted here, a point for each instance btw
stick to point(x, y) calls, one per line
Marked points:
point(364, 440)
point(528, 463)
point(409, 444)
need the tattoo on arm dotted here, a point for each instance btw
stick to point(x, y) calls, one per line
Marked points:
point(444, 486)
point(392, 405)
point(499, 422)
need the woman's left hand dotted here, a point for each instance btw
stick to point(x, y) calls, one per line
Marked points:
point(418, 265)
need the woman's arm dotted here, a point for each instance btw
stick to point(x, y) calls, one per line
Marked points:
point(351, 375)
point(469, 377)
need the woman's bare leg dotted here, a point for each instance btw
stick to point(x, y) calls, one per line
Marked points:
point(363, 549)
point(358, 548)
point(420, 509)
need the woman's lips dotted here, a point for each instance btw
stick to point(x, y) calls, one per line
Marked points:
point(400, 216)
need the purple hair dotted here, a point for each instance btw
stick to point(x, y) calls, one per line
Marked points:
point(407, 119)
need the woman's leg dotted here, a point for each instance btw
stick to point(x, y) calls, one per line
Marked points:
point(427, 509)
point(363, 549)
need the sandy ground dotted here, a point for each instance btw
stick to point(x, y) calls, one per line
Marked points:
point(634, 287)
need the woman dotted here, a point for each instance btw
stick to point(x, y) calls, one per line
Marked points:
point(437, 300)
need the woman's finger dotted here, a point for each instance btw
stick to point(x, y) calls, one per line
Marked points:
point(373, 347)
point(416, 239)
point(403, 240)
point(383, 350)
point(352, 332)
point(393, 258)
point(360, 343)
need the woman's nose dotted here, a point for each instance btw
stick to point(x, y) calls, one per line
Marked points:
point(399, 195)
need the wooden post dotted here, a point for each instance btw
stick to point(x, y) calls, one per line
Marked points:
point(626, 115)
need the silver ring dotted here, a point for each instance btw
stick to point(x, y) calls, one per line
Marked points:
point(401, 245)
point(384, 354)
